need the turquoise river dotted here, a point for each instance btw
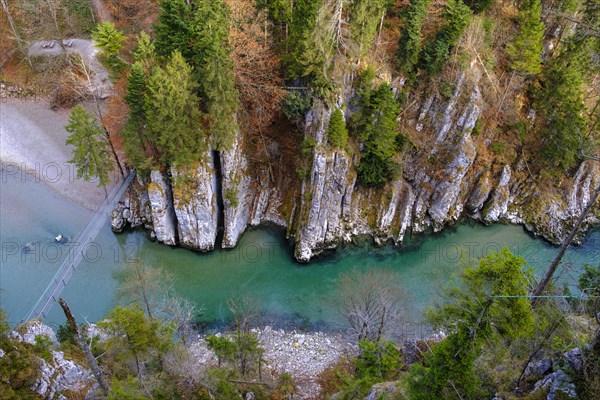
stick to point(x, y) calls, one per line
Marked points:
point(261, 266)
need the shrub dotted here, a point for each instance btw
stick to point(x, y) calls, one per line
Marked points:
point(296, 104)
point(498, 148)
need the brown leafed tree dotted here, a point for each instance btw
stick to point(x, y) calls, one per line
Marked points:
point(256, 66)
point(371, 302)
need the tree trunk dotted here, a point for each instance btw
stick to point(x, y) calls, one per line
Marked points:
point(108, 139)
point(84, 347)
point(556, 262)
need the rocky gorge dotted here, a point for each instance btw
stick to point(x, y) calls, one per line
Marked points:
point(449, 173)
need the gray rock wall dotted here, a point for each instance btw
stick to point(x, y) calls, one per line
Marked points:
point(441, 183)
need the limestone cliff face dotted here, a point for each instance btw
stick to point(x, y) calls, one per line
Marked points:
point(161, 207)
point(451, 177)
point(182, 207)
point(237, 194)
point(133, 211)
point(195, 205)
point(440, 184)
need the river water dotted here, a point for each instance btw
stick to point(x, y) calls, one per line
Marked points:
point(261, 266)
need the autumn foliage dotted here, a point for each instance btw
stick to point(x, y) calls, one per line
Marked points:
point(256, 66)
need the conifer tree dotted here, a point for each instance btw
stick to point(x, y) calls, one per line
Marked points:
point(364, 21)
point(337, 134)
point(172, 113)
point(136, 88)
point(409, 45)
point(299, 40)
point(134, 140)
point(435, 54)
point(479, 5)
point(525, 51)
point(212, 52)
point(173, 31)
point(316, 59)
point(199, 31)
point(560, 100)
point(145, 51)
point(490, 303)
point(90, 155)
point(379, 136)
point(108, 38)
point(133, 336)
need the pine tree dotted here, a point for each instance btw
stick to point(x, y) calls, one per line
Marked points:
point(136, 88)
point(435, 54)
point(379, 136)
point(525, 51)
point(134, 140)
point(199, 31)
point(365, 17)
point(212, 53)
point(173, 31)
point(560, 101)
point(479, 5)
point(473, 316)
point(172, 113)
point(409, 45)
point(337, 134)
point(316, 60)
point(90, 155)
point(145, 51)
point(133, 337)
point(108, 38)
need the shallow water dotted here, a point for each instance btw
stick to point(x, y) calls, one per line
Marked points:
point(261, 266)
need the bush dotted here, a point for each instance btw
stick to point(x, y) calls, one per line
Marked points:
point(66, 334)
point(308, 144)
point(296, 104)
point(231, 195)
point(498, 148)
point(477, 128)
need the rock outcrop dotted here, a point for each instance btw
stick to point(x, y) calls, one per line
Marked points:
point(195, 205)
point(451, 177)
point(237, 194)
point(133, 210)
point(161, 206)
point(57, 375)
point(61, 375)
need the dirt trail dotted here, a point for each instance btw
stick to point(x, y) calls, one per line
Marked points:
point(101, 12)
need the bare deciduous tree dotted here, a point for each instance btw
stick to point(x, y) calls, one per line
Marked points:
point(371, 302)
point(143, 285)
point(181, 312)
point(245, 310)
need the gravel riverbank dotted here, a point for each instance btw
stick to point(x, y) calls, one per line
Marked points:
point(305, 355)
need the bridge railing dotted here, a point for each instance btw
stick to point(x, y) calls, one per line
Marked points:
point(69, 265)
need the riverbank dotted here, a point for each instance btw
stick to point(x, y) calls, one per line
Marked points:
point(32, 146)
point(304, 355)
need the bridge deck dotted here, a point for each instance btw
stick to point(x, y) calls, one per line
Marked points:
point(71, 262)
